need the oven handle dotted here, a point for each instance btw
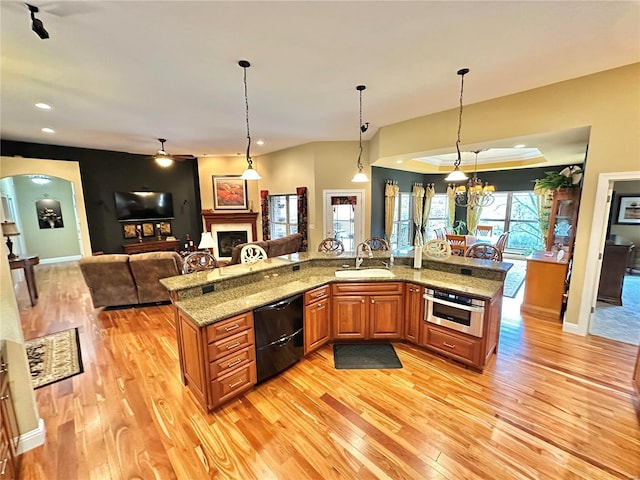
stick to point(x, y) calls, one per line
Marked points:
point(472, 308)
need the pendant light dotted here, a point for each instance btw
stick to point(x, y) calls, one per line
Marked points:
point(476, 193)
point(458, 175)
point(161, 157)
point(361, 177)
point(249, 173)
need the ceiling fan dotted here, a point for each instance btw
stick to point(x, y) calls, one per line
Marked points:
point(163, 159)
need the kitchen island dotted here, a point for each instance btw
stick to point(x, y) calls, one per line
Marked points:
point(214, 311)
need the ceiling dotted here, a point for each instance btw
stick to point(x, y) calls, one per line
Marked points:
point(121, 74)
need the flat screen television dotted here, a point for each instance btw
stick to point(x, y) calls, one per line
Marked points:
point(136, 206)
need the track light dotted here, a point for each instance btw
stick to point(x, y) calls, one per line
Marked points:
point(36, 24)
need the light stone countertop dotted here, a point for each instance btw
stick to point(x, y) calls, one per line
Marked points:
point(273, 286)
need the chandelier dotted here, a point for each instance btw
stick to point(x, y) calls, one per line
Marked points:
point(475, 193)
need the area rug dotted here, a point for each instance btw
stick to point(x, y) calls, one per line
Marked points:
point(621, 323)
point(365, 356)
point(54, 357)
point(514, 279)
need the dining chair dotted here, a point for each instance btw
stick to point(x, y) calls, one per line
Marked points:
point(484, 251)
point(437, 249)
point(331, 245)
point(198, 261)
point(484, 231)
point(376, 243)
point(440, 233)
point(251, 254)
point(502, 242)
point(458, 244)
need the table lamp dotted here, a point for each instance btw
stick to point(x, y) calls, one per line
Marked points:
point(9, 230)
point(206, 242)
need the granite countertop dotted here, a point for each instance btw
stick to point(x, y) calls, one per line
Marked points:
point(272, 284)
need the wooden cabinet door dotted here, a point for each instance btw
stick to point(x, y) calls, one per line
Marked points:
point(385, 316)
point(413, 308)
point(193, 358)
point(349, 317)
point(316, 325)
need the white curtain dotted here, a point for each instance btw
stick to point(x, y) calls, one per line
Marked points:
point(418, 198)
point(451, 205)
point(390, 192)
point(473, 216)
point(428, 196)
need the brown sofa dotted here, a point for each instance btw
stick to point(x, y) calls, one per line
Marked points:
point(274, 248)
point(118, 279)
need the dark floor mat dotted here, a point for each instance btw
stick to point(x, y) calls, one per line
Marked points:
point(365, 355)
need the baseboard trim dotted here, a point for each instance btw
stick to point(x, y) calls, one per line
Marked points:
point(33, 439)
point(574, 328)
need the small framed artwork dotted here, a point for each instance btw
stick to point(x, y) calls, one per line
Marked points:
point(229, 193)
point(165, 228)
point(147, 230)
point(129, 230)
point(628, 210)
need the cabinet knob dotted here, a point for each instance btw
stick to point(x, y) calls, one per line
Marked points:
point(373, 301)
point(363, 300)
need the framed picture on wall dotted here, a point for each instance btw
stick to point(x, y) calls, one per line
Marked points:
point(165, 228)
point(628, 210)
point(147, 230)
point(129, 230)
point(229, 193)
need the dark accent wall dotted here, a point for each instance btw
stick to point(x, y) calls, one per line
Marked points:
point(105, 172)
point(504, 181)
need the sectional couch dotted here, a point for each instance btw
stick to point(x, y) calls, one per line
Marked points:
point(274, 248)
point(118, 279)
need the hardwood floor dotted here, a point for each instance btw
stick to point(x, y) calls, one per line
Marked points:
point(550, 405)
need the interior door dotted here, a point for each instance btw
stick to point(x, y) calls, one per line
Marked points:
point(343, 216)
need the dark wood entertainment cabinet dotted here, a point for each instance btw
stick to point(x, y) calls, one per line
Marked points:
point(157, 246)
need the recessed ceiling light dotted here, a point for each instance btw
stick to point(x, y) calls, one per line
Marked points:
point(399, 161)
point(48, 130)
point(260, 142)
point(43, 106)
point(520, 145)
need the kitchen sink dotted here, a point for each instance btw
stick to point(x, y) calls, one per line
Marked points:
point(365, 273)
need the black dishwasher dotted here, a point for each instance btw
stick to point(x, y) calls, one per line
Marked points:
point(279, 338)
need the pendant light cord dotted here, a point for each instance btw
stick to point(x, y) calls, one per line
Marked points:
point(246, 104)
point(462, 74)
point(360, 132)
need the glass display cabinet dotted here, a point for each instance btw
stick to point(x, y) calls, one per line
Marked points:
point(563, 219)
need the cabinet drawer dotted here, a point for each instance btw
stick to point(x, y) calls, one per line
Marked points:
point(226, 387)
point(230, 326)
point(380, 288)
point(236, 360)
point(316, 294)
point(453, 344)
point(230, 344)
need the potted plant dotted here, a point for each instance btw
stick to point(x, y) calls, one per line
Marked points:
point(568, 177)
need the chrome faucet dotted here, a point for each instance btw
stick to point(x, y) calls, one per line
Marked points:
point(359, 248)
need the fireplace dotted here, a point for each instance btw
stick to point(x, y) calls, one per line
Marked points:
point(226, 240)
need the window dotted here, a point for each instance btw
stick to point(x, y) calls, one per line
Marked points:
point(437, 215)
point(402, 221)
point(516, 213)
point(284, 215)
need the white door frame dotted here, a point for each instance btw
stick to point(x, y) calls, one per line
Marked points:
point(359, 210)
point(595, 249)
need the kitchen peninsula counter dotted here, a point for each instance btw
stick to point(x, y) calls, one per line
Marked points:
point(242, 288)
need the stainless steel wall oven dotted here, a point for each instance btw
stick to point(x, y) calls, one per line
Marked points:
point(454, 311)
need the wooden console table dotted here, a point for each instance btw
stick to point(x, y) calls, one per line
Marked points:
point(544, 285)
point(27, 263)
point(159, 246)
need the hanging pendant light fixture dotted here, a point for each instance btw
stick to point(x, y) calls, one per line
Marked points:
point(161, 157)
point(249, 173)
point(458, 175)
point(361, 177)
point(475, 193)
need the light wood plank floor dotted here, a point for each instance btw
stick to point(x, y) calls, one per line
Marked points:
point(549, 406)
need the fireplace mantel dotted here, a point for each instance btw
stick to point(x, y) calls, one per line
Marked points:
point(214, 218)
